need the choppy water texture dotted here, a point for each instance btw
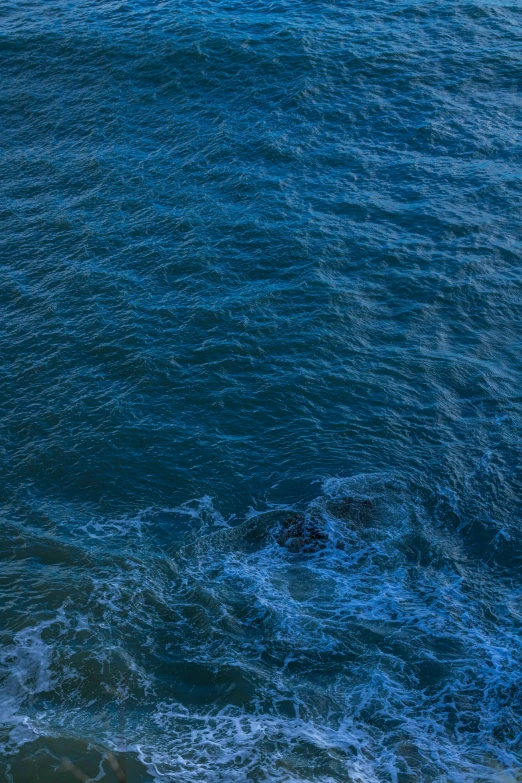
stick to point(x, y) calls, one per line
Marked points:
point(260, 373)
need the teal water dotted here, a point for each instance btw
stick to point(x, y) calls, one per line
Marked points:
point(260, 391)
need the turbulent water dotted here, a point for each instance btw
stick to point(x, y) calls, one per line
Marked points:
point(260, 373)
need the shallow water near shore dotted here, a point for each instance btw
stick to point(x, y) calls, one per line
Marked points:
point(260, 392)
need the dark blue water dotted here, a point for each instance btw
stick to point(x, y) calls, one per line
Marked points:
point(260, 391)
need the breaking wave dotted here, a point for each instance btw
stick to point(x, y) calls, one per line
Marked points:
point(352, 638)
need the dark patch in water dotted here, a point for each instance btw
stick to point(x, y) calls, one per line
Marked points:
point(356, 510)
point(299, 533)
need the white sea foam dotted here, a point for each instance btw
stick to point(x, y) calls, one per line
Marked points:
point(25, 667)
point(374, 658)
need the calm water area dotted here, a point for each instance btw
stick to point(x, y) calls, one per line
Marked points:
point(261, 391)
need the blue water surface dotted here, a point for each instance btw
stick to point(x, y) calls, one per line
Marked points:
point(260, 391)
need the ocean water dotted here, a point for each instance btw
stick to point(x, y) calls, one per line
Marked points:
point(260, 391)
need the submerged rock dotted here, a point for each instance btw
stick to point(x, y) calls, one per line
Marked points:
point(358, 510)
point(297, 532)
point(301, 534)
